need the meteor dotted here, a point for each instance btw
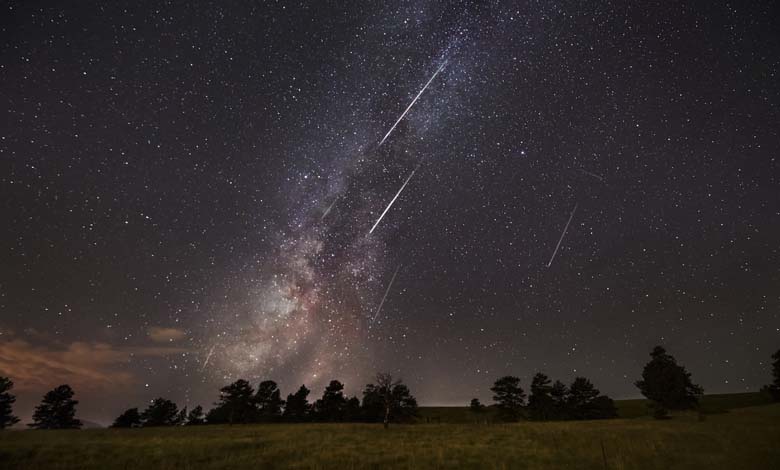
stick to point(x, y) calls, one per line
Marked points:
point(327, 211)
point(384, 297)
point(562, 235)
point(391, 202)
point(206, 362)
point(412, 103)
point(598, 177)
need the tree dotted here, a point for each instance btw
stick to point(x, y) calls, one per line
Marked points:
point(130, 418)
point(160, 412)
point(236, 404)
point(195, 417)
point(476, 406)
point(509, 397)
point(57, 410)
point(7, 419)
point(773, 389)
point(586, 402)
point(667, 384)
point(559, 395)
point(540, 403)
point(332, 405)
point(268, 400)
point(352, 411)
point(298, 408)
point(388, 400)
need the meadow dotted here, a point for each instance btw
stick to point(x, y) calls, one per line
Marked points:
point(731, 437)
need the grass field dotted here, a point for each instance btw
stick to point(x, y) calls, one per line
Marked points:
point(741, 438)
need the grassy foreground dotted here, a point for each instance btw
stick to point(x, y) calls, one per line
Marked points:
point(742, 438)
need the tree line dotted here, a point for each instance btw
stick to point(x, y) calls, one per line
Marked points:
point(385, 401)
point(665, 383)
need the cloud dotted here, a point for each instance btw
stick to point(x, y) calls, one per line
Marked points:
point(84, 365)
point(166, 335)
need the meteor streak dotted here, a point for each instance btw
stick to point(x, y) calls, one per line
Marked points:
point(412, 103)
point(384, 297)
point(327, 211)
point(562, 235)
point(206, 362)
point(598, 177)
point(391, 202)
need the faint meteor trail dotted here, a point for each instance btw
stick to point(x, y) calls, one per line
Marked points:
point(412, 103)
point(598, 177)
point(562, 235)
point(327, 211)
point(391, 202)
point(208, 356)
point(384, 297)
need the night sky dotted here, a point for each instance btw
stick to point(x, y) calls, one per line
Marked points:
point(188, 191)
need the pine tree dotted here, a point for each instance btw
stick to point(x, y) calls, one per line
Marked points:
point(268, 400)
point(667, 384)
point(476, 406)
point(236, 404)
point(57, 410)
point(332, 405)
point(540, 403)
point(130, 418)
point(559, 394)
point(298, 408)
point(7, 419)
point(773, 389)
point(160, 412)
point(509, 397)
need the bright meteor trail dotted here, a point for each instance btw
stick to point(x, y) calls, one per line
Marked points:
point(384, 297)
point(412, 103)
point(562, 235)
point(391, 202)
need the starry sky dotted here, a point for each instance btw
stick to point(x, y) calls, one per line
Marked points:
point(189, 191)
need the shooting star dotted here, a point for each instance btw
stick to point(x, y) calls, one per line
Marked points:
point(384, 297)
point(412, 103)
point(598, 177)
point(391, 202)
point(327, 211)
point(208, 356)
point(562, 235)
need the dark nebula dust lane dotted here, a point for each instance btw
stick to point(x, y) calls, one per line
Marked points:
point(448, 191)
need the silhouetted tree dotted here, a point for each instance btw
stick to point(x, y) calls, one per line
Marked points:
point(559, 394)
point(388, 400)
point(773, 389)
point(509, 397)
point(667, 384)
point(236, 404)
point(196, 416)
point(540, 403)
point(585, 402)
point(372, 406)
point(352, 411)
point(332, 405)
point(57, 410)
point(160, 412)
point(7, 400)
point(603, 407)
point(476, 406)
point(268, 401)
point(130, 418)
point(298, 408)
